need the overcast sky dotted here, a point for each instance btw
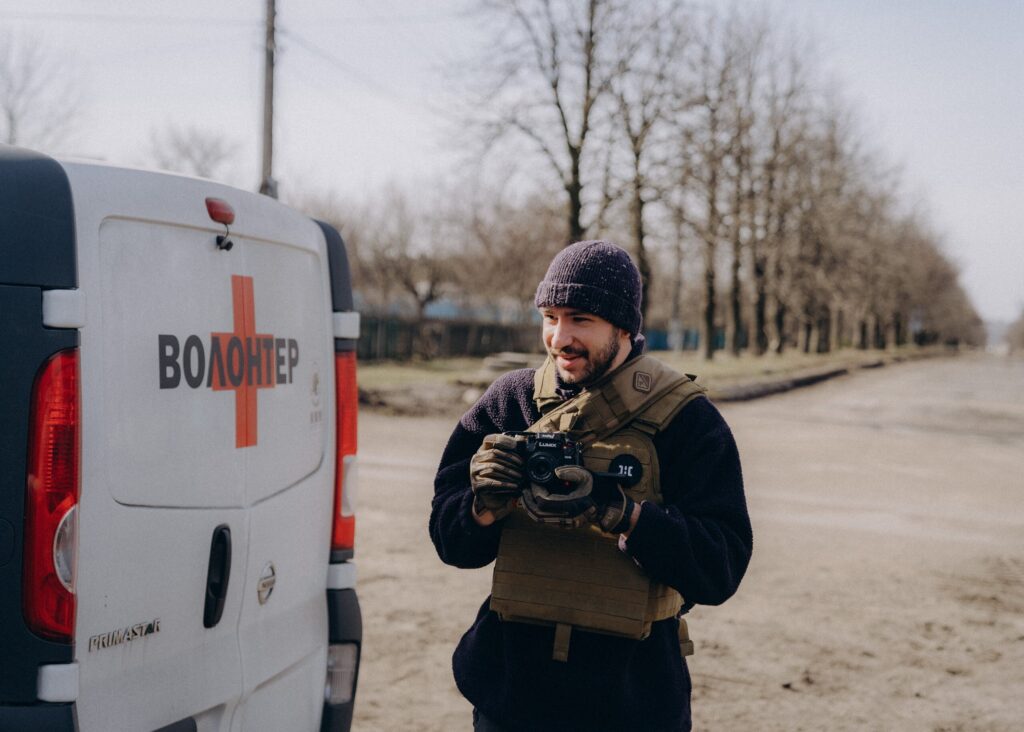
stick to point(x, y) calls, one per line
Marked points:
point(938, 85)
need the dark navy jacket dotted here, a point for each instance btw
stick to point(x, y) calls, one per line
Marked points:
point(698, 542)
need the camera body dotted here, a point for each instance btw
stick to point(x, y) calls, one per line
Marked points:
point(542, 452)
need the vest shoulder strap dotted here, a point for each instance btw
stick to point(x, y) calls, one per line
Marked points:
point(658, 416)
point(544, 384)
point(641, 387)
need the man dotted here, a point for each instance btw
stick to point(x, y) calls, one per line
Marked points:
point(553, 648)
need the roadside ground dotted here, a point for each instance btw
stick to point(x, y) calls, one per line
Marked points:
point(448, 386)
point(886, 590)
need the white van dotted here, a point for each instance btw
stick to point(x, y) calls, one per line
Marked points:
point(177, 456)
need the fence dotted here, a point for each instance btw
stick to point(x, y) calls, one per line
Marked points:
point(400, 339)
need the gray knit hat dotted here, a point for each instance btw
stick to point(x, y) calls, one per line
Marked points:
point(598, 277)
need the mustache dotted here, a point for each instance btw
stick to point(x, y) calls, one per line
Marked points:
point(569, 351)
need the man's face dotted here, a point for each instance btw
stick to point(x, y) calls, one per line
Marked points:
point(583, 346)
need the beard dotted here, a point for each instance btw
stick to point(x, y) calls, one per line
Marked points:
point(594, 367)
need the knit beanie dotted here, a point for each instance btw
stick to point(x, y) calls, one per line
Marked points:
point(598, 277)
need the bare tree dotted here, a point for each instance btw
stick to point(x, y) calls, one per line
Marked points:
point(784, 125)
point(400, 254)
point(353, 223)
point(1015, 334)
point(708, 132)
point(506, 247)
point(193, 151)
point(707, 138)
point(39, 98)
point(750, 41)
point(549, 73)
point(941, 310)
point(647, 91)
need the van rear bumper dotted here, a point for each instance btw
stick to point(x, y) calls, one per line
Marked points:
point(345, 625)
point(337, 717)
point(29, 718)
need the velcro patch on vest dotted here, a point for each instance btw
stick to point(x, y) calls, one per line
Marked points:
point(627, 470)
point(642, 381)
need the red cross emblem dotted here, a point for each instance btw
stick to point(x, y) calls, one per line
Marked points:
point(247, 353)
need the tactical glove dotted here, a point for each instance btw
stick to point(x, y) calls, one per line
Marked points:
point(496, 475)
point(613, 516)
point(571, 507)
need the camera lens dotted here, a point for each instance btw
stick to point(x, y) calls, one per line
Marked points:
point(540, 468)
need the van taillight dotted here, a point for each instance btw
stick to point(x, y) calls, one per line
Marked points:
point(347, 397)
point(51, 500)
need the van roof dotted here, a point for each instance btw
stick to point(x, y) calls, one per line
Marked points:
point(37, 221)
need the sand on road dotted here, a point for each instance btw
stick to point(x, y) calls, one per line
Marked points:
point(886, 590)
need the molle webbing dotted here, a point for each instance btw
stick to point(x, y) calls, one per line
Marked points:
point(642, 391)
point(548, 574)
point(578, 577)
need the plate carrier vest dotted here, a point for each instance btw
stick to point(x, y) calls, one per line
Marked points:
point(578, 577)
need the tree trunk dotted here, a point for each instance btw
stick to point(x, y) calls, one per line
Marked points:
point(639, 234)
point(709, 300)
point(836, 330)
point(879, 332)
point(824, 340)
point(760, 306)
point(675, 335)
point(899, 332)
point(735, 286)
point(780, 327)
point(736, 298)
point(710, 240)
point(575, 190)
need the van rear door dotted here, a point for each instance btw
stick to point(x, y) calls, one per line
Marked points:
point(207, 405)
point(289, 488)
point(164, 530)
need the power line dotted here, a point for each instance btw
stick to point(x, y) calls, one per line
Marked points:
point(355, 73)
point(123, 18)
point(398, 19)
point(363, 79)
point(416, 39)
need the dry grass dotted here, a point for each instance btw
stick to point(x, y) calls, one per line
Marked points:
point(387, 375)
point(724, 369)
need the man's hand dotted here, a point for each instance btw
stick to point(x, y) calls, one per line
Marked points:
point(616, 516)
point(572, 507)
point(496, 476)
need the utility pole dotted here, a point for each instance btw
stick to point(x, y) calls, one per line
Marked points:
point(268, 186)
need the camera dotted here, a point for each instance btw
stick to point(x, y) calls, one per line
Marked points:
point(543, 452)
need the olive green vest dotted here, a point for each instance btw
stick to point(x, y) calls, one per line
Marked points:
point(577, 577)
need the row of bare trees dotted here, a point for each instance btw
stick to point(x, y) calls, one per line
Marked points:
point(467, 244)
point(706, 141)
point(1015, 334)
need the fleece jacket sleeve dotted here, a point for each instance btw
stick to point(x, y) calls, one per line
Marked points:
point(700, 540)
point(459, 540)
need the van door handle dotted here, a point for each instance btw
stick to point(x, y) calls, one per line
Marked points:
point(217, 575)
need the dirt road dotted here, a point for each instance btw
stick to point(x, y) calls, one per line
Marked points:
point(886, 590)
